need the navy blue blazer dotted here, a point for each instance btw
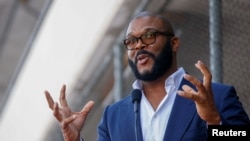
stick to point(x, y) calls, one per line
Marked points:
point(118, 121)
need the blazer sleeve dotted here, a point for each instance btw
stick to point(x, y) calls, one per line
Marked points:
point(231, 109)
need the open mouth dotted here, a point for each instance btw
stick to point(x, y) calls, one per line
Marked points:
point(142, 58)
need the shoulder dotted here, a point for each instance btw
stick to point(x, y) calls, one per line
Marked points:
point(229, 105)
point(220, 89)
point(225, 94)
point(221, 85)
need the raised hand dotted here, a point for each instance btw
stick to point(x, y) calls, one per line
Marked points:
point(70, 122)
point(203, 97)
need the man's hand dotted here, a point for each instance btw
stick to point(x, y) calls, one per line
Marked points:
point(203, 97)
point(71, 122)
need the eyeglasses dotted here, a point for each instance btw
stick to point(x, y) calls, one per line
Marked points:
point(146, 38)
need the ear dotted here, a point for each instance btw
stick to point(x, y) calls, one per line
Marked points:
point(175, 42)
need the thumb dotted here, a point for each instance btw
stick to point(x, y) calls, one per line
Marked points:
point(87, 108)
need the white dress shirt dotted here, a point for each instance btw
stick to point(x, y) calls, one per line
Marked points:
point(154, 122)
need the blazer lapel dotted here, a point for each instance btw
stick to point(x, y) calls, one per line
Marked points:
point(182, 113)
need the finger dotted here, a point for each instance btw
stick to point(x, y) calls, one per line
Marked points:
point(87, 108)
point(49, 100)
point(193, 80)
point(67, 121)
point(198, 84)
point(63, 100)
point(205, 71)
point(56, 112)
point(188, 89)
point(188, 92)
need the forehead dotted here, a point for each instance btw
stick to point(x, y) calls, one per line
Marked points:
point(139, 25)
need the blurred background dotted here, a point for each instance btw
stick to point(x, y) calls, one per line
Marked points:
point(47, 43)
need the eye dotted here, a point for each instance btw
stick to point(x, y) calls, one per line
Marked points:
point(149, 35)
point(130, 41)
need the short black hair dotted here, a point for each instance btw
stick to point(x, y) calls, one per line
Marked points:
point(167, 24)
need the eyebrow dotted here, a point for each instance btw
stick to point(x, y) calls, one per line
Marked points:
point(144, 30)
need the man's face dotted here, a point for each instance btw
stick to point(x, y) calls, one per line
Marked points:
point(149, 62)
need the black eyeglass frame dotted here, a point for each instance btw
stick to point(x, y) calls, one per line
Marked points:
point(137, 38)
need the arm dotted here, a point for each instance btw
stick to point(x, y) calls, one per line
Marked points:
point(231, 109)
point(70, 122)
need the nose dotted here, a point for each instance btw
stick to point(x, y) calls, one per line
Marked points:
point(140, 44)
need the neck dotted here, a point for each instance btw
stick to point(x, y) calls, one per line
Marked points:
point(155, 90)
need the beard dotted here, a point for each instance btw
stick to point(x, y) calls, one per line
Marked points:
point(162, 64)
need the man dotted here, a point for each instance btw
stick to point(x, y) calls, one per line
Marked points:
point(174, 105)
